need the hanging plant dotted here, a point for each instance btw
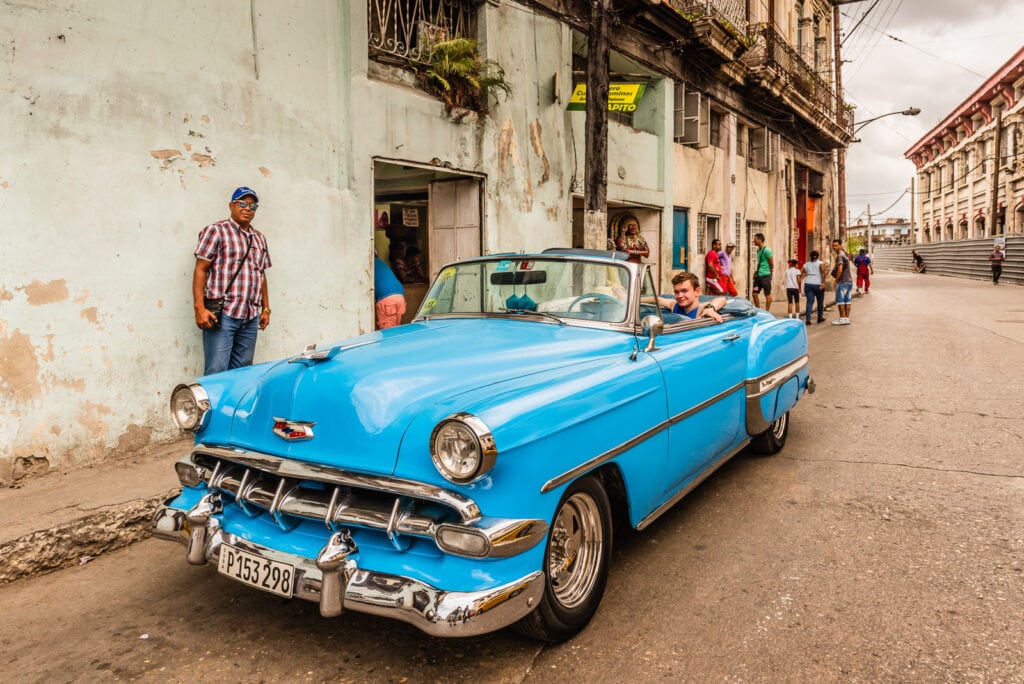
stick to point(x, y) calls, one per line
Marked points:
point(457, 74)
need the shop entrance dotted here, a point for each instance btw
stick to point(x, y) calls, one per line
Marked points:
point(424, 217)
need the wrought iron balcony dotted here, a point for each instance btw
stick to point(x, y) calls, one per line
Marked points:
point(402, 31)
point(796, 80)
point(731, 14)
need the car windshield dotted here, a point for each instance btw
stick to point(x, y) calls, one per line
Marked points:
point(570, 289)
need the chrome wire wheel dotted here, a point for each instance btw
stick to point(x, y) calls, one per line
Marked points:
point(778, 428)
point(575, 560)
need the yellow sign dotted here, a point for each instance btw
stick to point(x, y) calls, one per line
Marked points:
point(622, 97)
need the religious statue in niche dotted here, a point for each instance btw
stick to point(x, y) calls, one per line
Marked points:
point(627, 238)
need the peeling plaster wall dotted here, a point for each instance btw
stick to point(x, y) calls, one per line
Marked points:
point(126, 126)
point(129, 124)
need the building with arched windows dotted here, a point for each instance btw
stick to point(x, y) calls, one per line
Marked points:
point(970, 167)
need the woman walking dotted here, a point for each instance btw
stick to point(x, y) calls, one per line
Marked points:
point(813, 278)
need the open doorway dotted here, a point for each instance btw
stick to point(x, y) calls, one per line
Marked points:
point(424, 218)
point(650, 228)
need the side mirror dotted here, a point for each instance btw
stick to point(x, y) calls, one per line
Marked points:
point(654, 326)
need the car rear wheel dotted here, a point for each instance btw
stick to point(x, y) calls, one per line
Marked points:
point(576, 562)
point(772, 440)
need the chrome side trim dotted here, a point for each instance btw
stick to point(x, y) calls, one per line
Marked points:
point(758, 387)
point(572, 474)
point(466, 508)
point(657, 512)
point(433, 610)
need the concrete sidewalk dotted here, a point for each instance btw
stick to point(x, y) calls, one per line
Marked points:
point(67, 518)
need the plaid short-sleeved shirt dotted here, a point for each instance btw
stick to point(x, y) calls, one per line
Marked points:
point(224, 244)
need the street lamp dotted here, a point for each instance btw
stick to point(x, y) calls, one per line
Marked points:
point(909, 111)
point(841, 165)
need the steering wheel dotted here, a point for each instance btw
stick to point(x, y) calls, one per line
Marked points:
point(600, 298)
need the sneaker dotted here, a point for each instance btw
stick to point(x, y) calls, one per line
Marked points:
point(838, 321)
point(845, 321)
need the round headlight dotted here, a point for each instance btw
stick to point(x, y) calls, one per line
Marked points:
point(190, 407)
point(462, 448)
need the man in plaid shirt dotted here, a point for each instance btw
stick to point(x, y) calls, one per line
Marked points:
point(231, 261)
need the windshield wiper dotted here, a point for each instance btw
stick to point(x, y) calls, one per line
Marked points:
point(545, 314)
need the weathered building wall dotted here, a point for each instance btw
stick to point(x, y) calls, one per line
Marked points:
point(128, 126)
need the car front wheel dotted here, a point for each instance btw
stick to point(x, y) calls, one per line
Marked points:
point(772, 440)
point(575, 563)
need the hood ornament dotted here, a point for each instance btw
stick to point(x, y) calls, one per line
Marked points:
point(293, 430)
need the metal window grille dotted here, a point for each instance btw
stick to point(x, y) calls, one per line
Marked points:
point(401, 31)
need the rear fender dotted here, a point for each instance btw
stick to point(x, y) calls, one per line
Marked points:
point(779, 372)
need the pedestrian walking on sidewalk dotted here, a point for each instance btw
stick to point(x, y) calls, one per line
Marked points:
point(865, 269)
point(844, 284)
point(996, 258)
point(813, 278)
point(229, 285)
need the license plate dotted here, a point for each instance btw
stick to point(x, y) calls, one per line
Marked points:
point(262, 573)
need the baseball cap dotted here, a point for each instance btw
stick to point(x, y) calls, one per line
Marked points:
point(242, 192)
point(731, 244)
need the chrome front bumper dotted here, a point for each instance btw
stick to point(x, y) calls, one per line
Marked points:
point(336, 583)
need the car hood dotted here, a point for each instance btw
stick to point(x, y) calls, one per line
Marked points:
point(364, 395)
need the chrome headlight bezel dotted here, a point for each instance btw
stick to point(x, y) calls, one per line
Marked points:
point(474, 432)
point(196, 395)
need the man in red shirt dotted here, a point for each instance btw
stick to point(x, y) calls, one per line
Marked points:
point(712, 267)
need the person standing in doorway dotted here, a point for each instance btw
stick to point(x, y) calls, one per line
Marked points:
point(631, 241)
point(229, 285)
point(763, 273)
point(813, 278)
point(388, 295)
point(844, 284)
point(996, 258)
point(865, 269)
point(725, 270)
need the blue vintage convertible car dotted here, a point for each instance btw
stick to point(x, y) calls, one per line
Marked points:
point(463, 473)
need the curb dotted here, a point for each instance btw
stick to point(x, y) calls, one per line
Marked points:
point(68, 518)
point(78, 541)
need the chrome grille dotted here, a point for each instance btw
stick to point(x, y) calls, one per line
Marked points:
point(289, 490)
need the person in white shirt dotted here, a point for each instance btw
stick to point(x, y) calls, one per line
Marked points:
point(792, 277)
point(813, 278)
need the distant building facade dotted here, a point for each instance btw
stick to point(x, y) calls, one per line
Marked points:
point(892, 231)
point(970, 167)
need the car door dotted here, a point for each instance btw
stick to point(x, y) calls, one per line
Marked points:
point(703, 366)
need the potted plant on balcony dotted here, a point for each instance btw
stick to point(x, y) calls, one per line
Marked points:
point(463, 80)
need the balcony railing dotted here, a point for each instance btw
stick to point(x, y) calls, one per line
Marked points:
point(730, 13)
point(402, 31)
point(771, 50)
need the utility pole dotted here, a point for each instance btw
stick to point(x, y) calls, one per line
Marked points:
point(842, 112)
point(595, 191)
point(994, 185)
point(869, 230)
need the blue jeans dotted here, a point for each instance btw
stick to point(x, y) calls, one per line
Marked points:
point(812, 293)
point(232, 345)
point(844, 292)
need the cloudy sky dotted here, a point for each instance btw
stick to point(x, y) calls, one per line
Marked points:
point(930, 54)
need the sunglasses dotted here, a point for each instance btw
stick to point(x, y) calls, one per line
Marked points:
point(247, 205)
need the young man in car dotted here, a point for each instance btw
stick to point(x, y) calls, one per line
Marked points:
point(686, 288)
